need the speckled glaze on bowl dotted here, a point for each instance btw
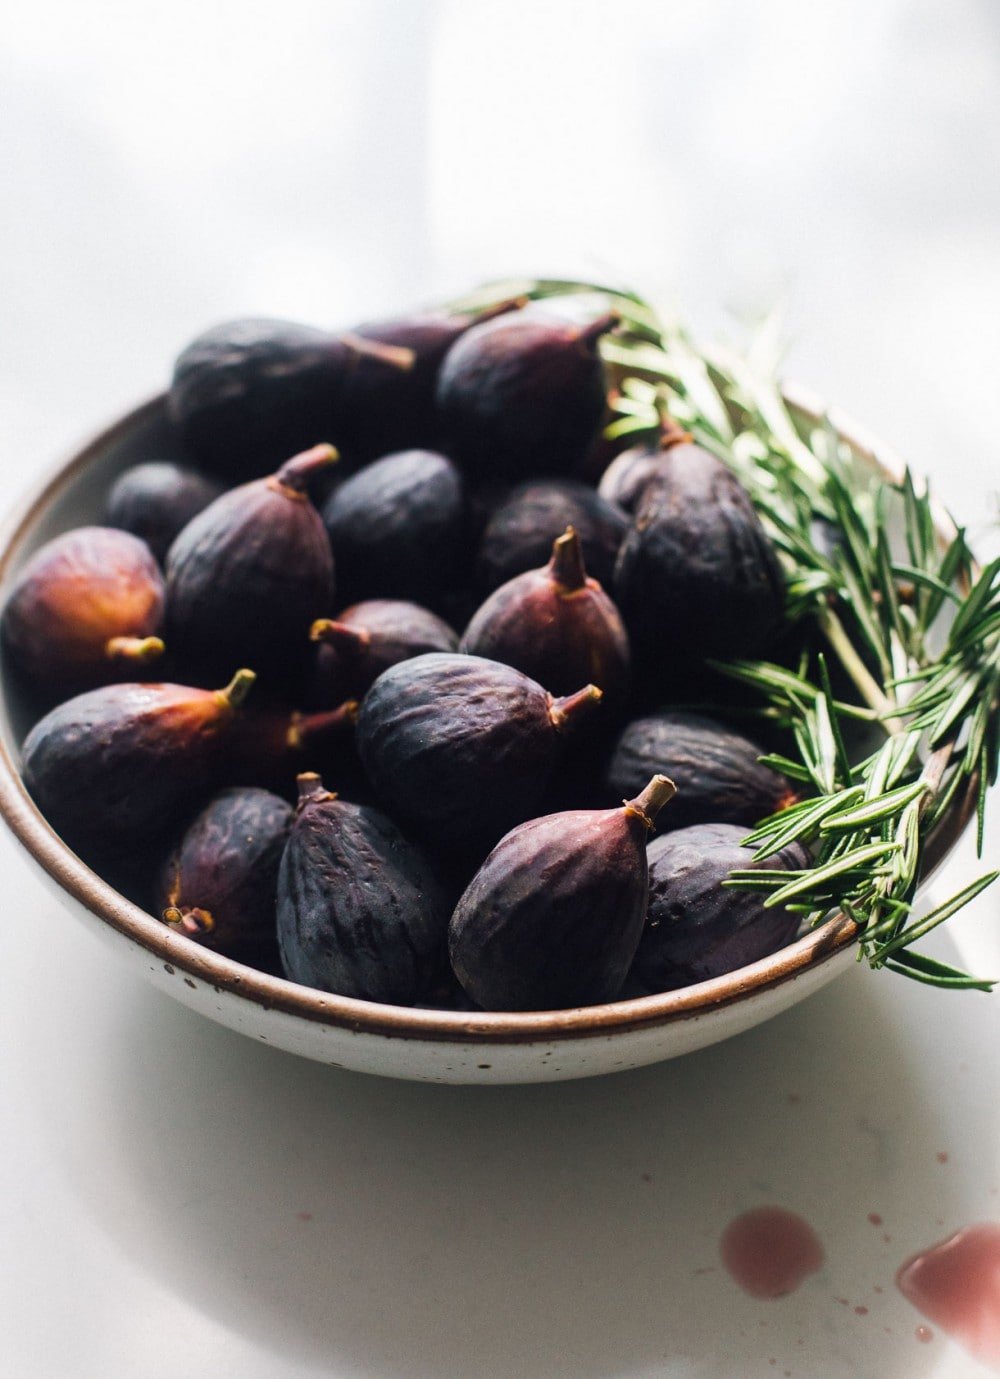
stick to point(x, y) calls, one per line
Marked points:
point(424, 1045)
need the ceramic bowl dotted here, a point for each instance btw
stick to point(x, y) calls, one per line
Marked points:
point(425, 1045)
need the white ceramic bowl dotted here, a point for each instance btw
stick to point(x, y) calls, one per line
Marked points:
point(425, 1045)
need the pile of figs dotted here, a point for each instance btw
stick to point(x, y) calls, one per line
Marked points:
point(383, 679)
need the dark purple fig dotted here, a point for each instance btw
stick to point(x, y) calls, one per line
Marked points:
point(460, 748)
point(523, 395)
point(85, 610)
point(553, 916)
point(156, 499)
point(698, 928)
point(219, 886)
point(717, 771)
point(630, 473)
point(252, 572)
point(354, 648)
point(360, 910)
point(270, 745)
point(398, 527)
point(248, 393)
point(697, 575)
point(118, 766)
point(556, 625)
point(521, 530)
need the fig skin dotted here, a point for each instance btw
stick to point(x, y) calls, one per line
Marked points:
point(398, 527)
point(697, 575)
point(556, 625)
point(458, 748)
point(521, 529)
point(249, 575)
point(553, 917)
point(353, 649)
point(155, 500)
point(716, 770)
point(85, 610)
point(219, 886)
point(248, 393)
point(523, 395)
point(118, 766)
point(697, 928)
point(627, 477)
point(360, 911)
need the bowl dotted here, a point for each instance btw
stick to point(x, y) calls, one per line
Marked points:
point(392, 1041)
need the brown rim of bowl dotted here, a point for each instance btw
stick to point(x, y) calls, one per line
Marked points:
point(813, 950)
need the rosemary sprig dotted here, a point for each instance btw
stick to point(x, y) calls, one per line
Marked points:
point(908, 621)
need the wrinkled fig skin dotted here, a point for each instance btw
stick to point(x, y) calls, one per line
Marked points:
point(398, 527)
point(118, 766)
point(219, 887)
point(367, 638)
point(155, 500)
point(521, 530)
point(85, 611)
point(556, 625)
point(697, 576)
point(553, 917)
point(716, 770)
point(458, 748)
point(697, 928)
point(360, 911)
point(249, 575)
point(522, 395)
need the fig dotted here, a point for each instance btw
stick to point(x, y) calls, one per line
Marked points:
point(363, 640)
point(156, 499)
point(717, 772)
point(117, 766)
point(249, 575)
point(85, 610)
point(521, 529)
point(556, 625)
point(697, 575)
point(553, 917)
point(698, 928)
point(219, 886)
point(460, 748)
point(248, 393)
point(629, 474)
point(523, 395)
point(398, 527)
point(360, 910)
point(270, 745)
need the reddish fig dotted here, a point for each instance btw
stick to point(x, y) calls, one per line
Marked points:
point(117, 766)
point(460, 748)
point(556, 625)
point(698, 928)
point(553, 917)
point(354, 648)
point(522, 395)
point(360, 911)
point(270, 746)
point(252, 572)
point(521, 530)
point(85, 610)
point(156, 499)
point(219, 886)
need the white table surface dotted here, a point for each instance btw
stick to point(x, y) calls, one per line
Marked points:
point(177, 1201)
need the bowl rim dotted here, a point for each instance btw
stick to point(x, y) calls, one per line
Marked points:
point(177, 954)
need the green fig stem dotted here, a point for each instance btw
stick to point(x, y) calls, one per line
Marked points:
point(340, 635)
point(396, 356)
point(295, 475)
point(573, 706)
point(648, 803)
point(566, 567)
point(588, 335)
point(237, 689)
point(311, 789)
point(141, 649)
point(304, 727)
point(192, 922)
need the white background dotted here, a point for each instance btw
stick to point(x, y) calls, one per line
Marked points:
point(178, 1202)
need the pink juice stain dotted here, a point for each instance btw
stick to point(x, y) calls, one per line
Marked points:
point(769, 1251)
point(956, 1285)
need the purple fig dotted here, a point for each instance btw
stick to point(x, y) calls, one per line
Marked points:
point(156, 499)
point(520, 531)
point(354, 648)
point(626, 478)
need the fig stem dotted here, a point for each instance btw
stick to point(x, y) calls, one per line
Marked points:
point(297, 473)
point(672, 433)
point(191, 922)
point(142, 649)
point(572, 706)
point(340, 635)
point(648, 803)
point(589, 334)
point(503, 308)
point(311, 789)
point(305, 726)
point(396, 356)
point(238, 688)
point(566, 566)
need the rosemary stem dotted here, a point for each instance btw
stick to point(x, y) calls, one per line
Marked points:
point(866, 684)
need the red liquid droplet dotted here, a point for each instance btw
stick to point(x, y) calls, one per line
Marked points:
point(769, 1251)
point(874, 1218)
point(956, 1284)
